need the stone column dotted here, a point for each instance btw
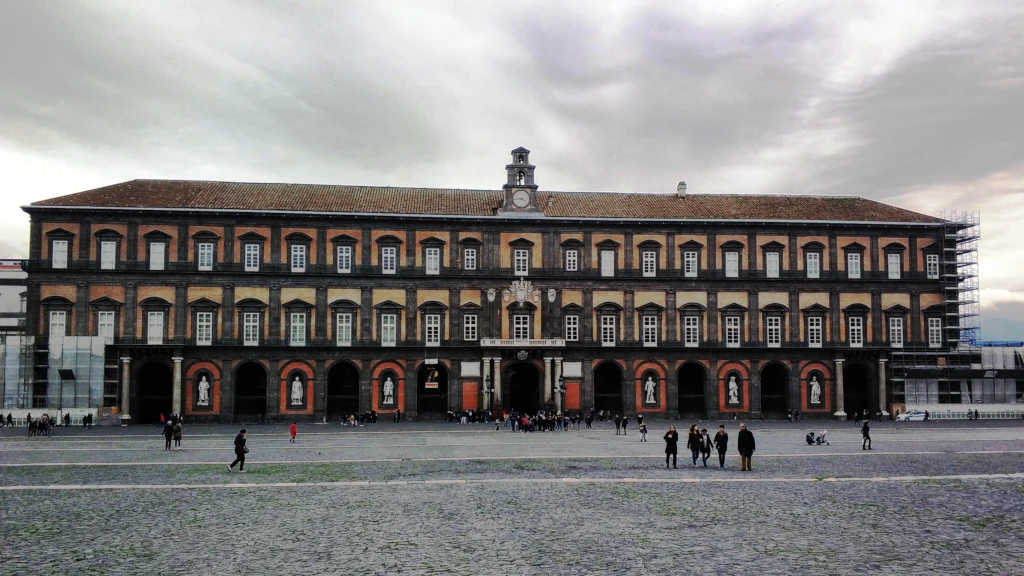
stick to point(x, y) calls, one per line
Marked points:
point(497, 376)
point(176, 390)
point(486, 373)
point(547, 380)
point(126, 381)
point(558, 374)
point(840, 403)
point(881, 386)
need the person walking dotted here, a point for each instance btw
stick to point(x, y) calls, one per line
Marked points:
point(618, 424)
point(168, 435)
point(705, 446)
point(671, 445)
point(722, 444)
point(745, 445)
point(292, 431)
point(643, 432)
point(865, 431)
point(177, 435)
point(693, 442)
point(240, 451)
point(625, 424)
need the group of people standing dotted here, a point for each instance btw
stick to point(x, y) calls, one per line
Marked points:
point(700, 444)
point(171, 431)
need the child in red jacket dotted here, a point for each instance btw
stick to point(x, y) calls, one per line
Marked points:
point(293, 429)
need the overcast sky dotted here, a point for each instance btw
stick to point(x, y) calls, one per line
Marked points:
point(916, 103)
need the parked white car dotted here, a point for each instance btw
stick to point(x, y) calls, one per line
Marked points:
point(912, 416)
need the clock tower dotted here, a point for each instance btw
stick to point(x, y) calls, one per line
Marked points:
point(520, 190)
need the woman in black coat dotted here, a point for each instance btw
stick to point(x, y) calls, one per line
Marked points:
point(693, 443)
point(671, 442)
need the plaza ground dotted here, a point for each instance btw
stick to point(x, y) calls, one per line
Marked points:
point(428, 498)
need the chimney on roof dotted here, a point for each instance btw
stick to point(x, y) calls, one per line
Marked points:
point(681, 189)
point(551, 200)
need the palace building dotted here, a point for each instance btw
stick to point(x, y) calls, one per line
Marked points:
point(227, 300)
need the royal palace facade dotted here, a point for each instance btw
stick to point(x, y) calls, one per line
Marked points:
point(223, 301)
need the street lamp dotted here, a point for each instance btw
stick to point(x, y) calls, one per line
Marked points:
point(560, 390)
point(489, 389)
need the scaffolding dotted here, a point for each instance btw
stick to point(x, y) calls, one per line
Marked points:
point(961, 296)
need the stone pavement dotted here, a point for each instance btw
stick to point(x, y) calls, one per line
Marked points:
point(449, 499)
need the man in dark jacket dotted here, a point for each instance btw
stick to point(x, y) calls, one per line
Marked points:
point(671, 445)
point(240, 451)
point(865, 431)
point(745, 444)
point(722, 444)
point(618, 424)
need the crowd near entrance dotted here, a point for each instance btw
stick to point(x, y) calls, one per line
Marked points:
point(856, 383)
point(250, 391)
point(774, 384)
point(156, 388)
point(608, 388)
point(432, 391)
point(691, 390)
point(524, 388)
point(342, 390)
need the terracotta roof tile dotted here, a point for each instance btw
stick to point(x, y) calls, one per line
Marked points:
point(203, 195)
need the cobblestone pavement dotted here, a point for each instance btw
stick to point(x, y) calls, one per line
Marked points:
point(449, 499)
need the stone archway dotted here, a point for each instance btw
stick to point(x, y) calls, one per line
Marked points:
point(856, 389)
point(342, 390)
point(608, 388)
point(155, 392)
point(691, 390)
point(524, 388)
point(250, 391)
point(774, 389)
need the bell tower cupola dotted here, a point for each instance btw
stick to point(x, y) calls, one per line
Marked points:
point(520, 189)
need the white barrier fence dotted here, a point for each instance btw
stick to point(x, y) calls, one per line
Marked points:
point(959, 411)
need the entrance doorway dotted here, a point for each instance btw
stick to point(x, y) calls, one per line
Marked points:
point(856, 386)
point(432, 391)
point(691, 390)
point(342, 390)
point(608, 388)
point(156, 387)
point(250, 391)
point(774, 385)
point(524, 387)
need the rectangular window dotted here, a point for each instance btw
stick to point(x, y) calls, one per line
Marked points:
point(433, 331)
point(469, 259)
point(935, 333)
point(894, 266)
point(572, 263)
point(732, 264)
point(59, 254)
point(691, 331)
point(896, 332)
point(388, 329)
point(343, 259)
point(814, 331)
point(572, 328)
point(108, 254)
point(732, 331)
point(297, 335)
point(520, 327)
point(813, 265)
point(157, 255)
point(773, 331)
point(58, 323)
point(389, 259)
point(607, 263)
point(204, 328)
point(433, 260)
point(522, 261)
point(690, 264)
point(650, 260)
point(343, 330)
point(856, 331)
point(608, 330)
point(206, 256)
point(252, 257)
point(155, 328)
point(650, 330)
point(853, 265)
point(251, 329)
point(105, 326)
point(469, 327)
point(298, 258)
point(771, 264)
point(932, 266)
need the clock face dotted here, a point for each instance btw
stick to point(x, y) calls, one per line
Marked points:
point(521, 199)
